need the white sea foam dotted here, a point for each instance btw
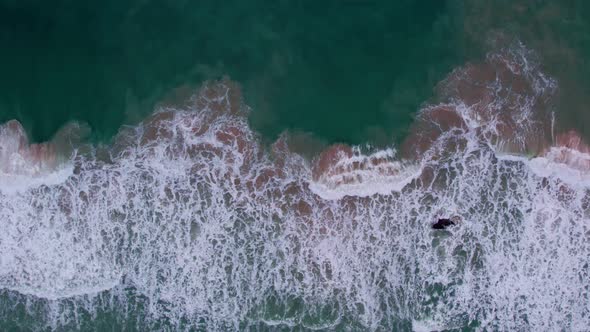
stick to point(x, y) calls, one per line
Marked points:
point(427, 326)
point(573, 171)
point(24, 166)
point(11, 183)
point(365, 175)
point(213, 231)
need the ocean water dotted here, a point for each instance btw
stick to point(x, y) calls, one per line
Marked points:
point(252, 167)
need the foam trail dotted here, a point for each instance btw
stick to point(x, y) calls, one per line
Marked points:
point(191, 223)
point(341, 171)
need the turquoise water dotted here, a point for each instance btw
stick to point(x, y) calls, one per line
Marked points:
point(158, 238)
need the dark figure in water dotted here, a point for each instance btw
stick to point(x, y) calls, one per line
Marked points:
point(443, 223)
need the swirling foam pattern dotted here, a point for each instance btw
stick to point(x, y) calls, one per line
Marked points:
point(191, 217)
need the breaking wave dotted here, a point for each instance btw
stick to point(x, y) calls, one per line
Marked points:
point(189, 220)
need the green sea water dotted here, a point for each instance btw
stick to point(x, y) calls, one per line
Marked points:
point(348, 71)
point(343, 70)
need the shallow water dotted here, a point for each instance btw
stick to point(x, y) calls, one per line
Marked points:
point(198, 217)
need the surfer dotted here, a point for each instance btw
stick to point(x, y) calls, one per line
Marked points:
point(444, 223)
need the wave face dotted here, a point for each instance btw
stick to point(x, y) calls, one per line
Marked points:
point(191, 221)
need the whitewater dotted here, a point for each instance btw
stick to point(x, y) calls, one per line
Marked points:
point(187, 221)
